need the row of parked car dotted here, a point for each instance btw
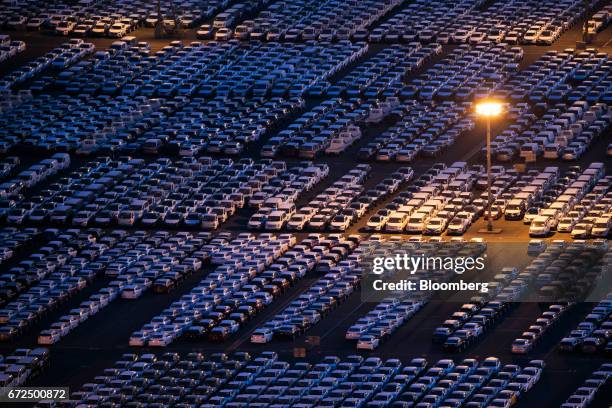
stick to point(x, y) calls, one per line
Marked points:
point(277, 203)
point(561, 275)
point(302, 20)
point(528, 339)
point(22, 365)
point(273, 210)
point(9, 99)
point(194, 193)
point(337, 263)
point(383, 73)
point(140, 124)
point(440, 199)
point(568, 271)
point(529, 194)
point(264, 379)
point(12, 243)
point(100, 18)
point(585, 394)
point(136, 263)
point(563, 76)
point(600, 20)
point(580, 206)
point(227, 296)
point(50, 275)
point(330, 127)
point(517, 22)
point(514, 22)
point(570, 95)
point(35, 174)
point(423, 129)
point(60, 57)
point(8, 48)
point(472, 320)
point(562, 133)
point(387, 316)
point(576, 202)
point(7, 166)
point(212, 69)
point(421, 21)
point(467, 72)
point(594, 333)
point(187, 72)
point(265, 283)
point(227, 69)
point(336, 208)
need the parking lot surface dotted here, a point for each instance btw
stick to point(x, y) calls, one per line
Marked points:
point(184, 220)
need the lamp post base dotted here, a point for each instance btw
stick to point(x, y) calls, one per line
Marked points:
point(490, 231)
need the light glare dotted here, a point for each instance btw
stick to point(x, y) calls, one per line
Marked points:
point(489, 109)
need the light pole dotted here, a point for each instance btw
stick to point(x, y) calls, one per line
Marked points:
point(586, 38)
point(488, 110)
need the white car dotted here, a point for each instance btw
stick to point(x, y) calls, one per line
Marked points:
point(340, 223)
point(355, 331)
point(99, 29)
point(160, 340)
point(540, 227)
point(297, 222)
point(521, 346)
point(223, 34)
point(276, 220)
point(138, 339)
point(397, 222)
point(376, 223)
point(581, 230)
point(416, 222)
point(458, 226)
point(118, 30)
point(368, 342)
point(262, 336)
point(547, 37)
point(566, 224)
point(531, 37)
point(256, 221)
point(535, 246)
point(132, 292)
point(48, 337)
point(435, 226)
point(601, 227)
point(65, 27)
point(461, 36)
